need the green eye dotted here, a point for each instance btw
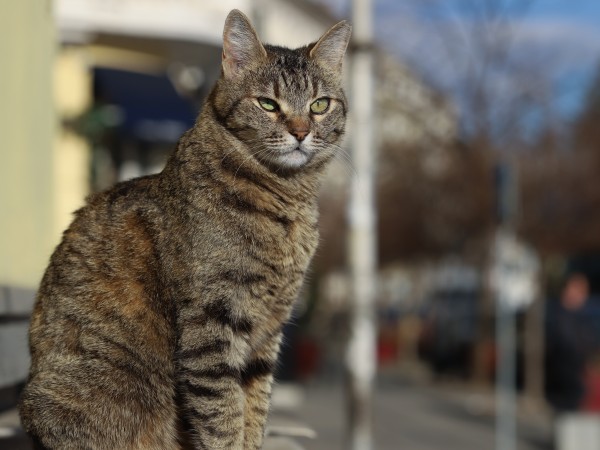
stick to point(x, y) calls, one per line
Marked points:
point(268, 104)
point(320, 105)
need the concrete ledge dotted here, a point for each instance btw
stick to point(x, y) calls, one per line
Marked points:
point(16, 301)
point(578, 431)
point(15, 309)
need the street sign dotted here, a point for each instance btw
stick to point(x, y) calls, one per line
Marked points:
point(514, 272)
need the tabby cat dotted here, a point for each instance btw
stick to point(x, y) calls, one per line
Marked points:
point(159, 318)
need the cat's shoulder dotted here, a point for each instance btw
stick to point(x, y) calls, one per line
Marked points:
point(109, 207)
point(130, 190)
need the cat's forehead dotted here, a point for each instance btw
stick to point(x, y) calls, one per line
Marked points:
point(290, 74)
point(288, 59)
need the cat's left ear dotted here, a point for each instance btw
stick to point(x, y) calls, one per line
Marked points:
point(241, 46)
point(330, 49)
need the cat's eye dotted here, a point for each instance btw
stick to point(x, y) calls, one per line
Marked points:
point(319, 106)
point(268, 104)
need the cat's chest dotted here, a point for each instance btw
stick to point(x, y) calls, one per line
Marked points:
point(274, 250)
point(252, 267)
point(279, 248)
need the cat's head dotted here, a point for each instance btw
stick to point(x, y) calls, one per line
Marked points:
point(287, 106)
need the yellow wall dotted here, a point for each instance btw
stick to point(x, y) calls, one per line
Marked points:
point(27, 134)
point(72, 97)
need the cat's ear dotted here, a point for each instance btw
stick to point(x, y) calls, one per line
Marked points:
point(241, 46)
point(330, 49)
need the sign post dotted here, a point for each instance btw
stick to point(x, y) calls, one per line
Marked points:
point(514, 280)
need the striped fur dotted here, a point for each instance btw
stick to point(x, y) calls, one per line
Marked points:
point(158, 320)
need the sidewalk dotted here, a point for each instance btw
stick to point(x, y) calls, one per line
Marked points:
point(418, 417)
point(284, 433)
point(407, 415)
point(11, 434)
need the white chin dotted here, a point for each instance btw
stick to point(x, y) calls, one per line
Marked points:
point(293, 159)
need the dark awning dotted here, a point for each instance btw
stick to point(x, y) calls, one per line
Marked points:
point(148, 106)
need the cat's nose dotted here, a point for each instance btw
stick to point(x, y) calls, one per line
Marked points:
point(299, 133)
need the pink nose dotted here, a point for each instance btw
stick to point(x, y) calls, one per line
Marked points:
point(299, 133)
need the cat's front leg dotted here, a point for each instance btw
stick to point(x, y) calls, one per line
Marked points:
point(211, 389)
point(257, 381)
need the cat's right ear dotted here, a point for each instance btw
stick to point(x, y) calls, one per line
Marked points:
point(241, 46)
point(330, 49)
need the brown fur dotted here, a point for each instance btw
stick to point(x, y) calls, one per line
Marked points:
point(158, 320)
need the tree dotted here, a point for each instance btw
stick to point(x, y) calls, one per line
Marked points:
point(561, 188)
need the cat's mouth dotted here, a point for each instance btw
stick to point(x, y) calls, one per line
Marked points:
point(297, 149)
point(294, 158)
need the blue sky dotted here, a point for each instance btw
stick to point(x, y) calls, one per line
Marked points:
point(564, 35)
point(579, 11)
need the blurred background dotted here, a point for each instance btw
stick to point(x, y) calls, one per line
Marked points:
point(487, 193)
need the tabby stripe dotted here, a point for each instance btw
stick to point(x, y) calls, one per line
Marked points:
point(202, 391)
point(74, 413)
point(223, 118)
point(78, 256)
point(130, 365)
point(216, 346)
point(235, 201)
point(276, 88)
point(240, 129)
point(222, 314)
point(119, 190)
point(214, 177)
point(259, 410)
point(256, 369)
point(204, 416)
point(242, 172)
point(220, 371)
point(131, 354)
point(343, 105)
point(198, 320)
point(210, 429)
point(232, 109)
point(123, 366)
point(267, 264)
point(286, 222)
point(240, 277)
point(207, 417)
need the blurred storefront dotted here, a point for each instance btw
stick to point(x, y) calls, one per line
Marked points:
point(131, 76)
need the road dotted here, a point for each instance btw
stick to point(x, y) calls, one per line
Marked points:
point(412, 418)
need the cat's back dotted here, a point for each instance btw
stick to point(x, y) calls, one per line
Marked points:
point(111, 238)
point(98, 330)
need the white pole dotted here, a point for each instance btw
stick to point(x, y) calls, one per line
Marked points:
point(361, 352)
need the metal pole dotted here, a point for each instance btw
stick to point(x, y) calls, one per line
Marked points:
point(506, 432)
point(506, 329)
point(361, 352)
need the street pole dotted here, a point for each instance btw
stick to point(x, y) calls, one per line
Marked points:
point(515, 280)
point(506, 330)
point(361, 351)
point(506, 397)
